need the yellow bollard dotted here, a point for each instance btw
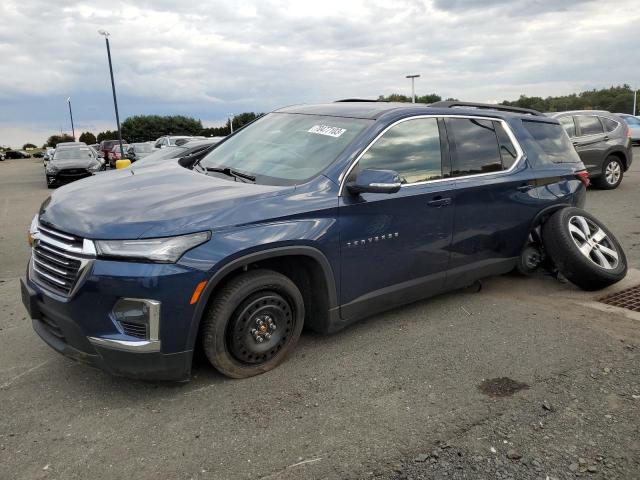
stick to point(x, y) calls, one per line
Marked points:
point(123, 163)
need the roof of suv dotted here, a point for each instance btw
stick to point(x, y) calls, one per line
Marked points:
point(374, 109)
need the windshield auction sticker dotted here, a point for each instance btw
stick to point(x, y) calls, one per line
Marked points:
point(327, 130)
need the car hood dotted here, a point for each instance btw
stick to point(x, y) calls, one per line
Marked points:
point(74, 163)
point(156, 201)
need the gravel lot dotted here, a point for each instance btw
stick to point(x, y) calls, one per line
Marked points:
point(395, 396)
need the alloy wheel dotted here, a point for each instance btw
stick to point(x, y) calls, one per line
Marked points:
point(612, 172)
point(593, 242)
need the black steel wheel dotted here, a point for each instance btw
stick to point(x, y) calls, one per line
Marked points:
point(252, 324)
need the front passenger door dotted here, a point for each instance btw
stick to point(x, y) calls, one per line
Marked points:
point(395, 247)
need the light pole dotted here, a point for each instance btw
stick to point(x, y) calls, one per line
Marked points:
point(231, 123)
point(113, 88)
point(73, 130)
point(635, 94)
point(413, 90)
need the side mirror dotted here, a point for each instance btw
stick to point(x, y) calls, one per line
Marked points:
point(123, 163)
point(375, 181)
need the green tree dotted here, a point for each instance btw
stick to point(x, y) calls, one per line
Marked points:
point(141, 128)
point(614, 99)
point(239, 121)
point(107, 135)
point(53, 140)
point(88, 138)
point(28, 145)
point(398, 97)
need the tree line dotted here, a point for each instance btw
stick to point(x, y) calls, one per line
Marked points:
point(142, 128)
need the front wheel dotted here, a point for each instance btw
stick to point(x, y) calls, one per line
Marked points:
point(612, 173)
point(583, 249)
point(253, 323)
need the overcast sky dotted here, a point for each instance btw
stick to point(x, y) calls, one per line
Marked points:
point(210, 58)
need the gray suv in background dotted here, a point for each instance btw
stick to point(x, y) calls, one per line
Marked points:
point(603, 142)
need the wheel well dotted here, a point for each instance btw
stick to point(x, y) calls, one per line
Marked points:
point(309, 277)
point(622, 157)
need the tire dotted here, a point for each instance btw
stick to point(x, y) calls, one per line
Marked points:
point(257, 303)
point(603, 263)
point(612, 173)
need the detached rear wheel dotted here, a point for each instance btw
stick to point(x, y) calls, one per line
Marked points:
point(583, 249)
point(253, 324)
point(612, 173)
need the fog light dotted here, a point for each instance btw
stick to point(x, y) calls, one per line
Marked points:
point(138, 317)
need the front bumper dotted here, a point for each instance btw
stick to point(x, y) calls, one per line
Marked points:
point(83, 328)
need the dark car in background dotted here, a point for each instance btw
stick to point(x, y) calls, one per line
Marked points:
point(71, 163)
point(603, 141)
point(16, 154)
point(137, 151)
point(115, 154)
point(107, 145)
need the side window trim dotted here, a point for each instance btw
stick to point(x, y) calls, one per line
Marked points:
point(505, 125)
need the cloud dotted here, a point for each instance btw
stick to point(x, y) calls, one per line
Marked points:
point(211, 58)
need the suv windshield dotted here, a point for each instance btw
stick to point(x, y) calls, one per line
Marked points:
point(285, 148)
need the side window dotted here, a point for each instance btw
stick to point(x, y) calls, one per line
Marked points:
point(609, 124)
point(508, 152)
point(589, 125)
point(569, 126)
point(476, 146)
point(411, 148)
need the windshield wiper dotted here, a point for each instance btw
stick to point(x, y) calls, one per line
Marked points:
point(230, 172)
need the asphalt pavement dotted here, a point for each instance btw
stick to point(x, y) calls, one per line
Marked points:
point(375, 400)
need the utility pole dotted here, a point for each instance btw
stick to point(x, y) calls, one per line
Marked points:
point(635, 94)
point(231, 123)
point(73, 130)
point(413, 90)
point(113, 88)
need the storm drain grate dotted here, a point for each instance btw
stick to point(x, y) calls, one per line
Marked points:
point(628, 298)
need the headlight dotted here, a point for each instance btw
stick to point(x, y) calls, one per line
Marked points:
point(33, 229)
point(163, 250)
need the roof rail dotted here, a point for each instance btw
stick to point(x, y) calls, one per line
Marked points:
point(487, 106)
point(356, 100)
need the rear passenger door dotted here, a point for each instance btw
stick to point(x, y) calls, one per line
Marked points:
point(495, 199)
point(591, 142)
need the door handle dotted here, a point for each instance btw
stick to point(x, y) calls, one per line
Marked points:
point(606, 137)
point(439, 202)
point(525, 188)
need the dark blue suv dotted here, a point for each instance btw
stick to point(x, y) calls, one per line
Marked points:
point(314, 215)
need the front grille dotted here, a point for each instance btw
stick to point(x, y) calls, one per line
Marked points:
point(73, 172)
point(134, 329)
point(55, 263)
